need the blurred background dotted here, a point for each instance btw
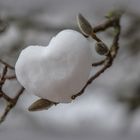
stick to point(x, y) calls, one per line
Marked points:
point(109, 108)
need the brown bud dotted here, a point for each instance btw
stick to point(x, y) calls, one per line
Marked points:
point(101, 48)
point(84, 25)
point(41, 104)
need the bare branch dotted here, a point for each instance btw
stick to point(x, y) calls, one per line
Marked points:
point(10, 102)
point(115, 23)
point(11, 77)
point(98, 63)
point(6, 64)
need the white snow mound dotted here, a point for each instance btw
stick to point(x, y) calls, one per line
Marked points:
point(57, 71)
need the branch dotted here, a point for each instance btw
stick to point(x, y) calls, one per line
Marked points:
point(95, 64)
point(10, 102)
point(6, 64)
point(86, 29)
point(115, 23)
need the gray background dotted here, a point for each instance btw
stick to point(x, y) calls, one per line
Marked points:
point(96, 115)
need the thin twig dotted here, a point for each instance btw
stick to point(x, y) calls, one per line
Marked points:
point(2, 79)
point(10, 105)
point(10, 102)
point(107, 65)
point(98, 63)
point(6, 64)
point(19, 93)
point(6, 97)
point(11, 77)
point(105, 25)
point(115, 23)
point(5, 113)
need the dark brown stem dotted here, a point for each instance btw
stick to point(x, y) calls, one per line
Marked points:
point(10, 104)
point(105, 25)
point(10, 77)
point(108, 63)
point(2, 79)
point(115, 23)
point(6, 64)
point(95, 37)
point(6, 97)
point(95, 64)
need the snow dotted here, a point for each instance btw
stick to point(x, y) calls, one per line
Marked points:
point(57, 71)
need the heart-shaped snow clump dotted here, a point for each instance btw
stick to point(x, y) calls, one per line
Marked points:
point(58, 71)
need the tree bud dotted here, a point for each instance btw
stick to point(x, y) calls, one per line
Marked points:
point(84, 25)
point(41, 104)
point(101, 48)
